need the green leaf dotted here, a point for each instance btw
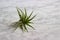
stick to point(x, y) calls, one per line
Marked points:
point(21, 27)
point(21, 12)
point(30, 26)
point(25, 13)
point(18, 12)
point(30, 15)
point(30, 22)
point(32, 18)
point(25, 28)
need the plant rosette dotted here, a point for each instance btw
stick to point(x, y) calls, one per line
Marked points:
point(24, 19)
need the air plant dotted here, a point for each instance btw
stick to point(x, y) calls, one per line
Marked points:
point(24, 19)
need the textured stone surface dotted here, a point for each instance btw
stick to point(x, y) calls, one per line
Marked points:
point(46, 23)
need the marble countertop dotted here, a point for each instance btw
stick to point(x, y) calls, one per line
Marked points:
point(46, 23)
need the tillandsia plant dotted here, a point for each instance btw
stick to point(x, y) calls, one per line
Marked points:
point(24, 19)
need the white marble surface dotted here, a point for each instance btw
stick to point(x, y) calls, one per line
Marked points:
point(46, 23)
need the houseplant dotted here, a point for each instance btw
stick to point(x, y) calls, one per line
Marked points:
point(24, 19)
